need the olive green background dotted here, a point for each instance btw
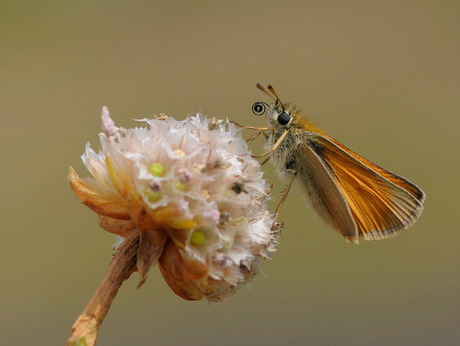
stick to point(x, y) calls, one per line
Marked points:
point(380, 76)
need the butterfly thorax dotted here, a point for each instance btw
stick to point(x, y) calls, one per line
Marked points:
point(284, 156)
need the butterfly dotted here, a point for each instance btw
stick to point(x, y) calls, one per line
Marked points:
point(353, 195)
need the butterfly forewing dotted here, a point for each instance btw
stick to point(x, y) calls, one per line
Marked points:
point(400, 181)
point(381, 203)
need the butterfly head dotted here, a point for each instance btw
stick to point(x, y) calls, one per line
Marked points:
point(278, 114)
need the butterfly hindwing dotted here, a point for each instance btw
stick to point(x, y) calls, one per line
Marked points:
point(324, 193)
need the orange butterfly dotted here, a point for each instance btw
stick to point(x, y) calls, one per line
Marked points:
point(355, 196)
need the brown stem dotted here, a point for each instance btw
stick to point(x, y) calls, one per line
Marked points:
point(122, 265)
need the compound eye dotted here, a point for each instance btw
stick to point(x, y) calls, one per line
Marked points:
point(284, 118)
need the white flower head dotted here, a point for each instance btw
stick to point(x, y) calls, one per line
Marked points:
point(195, 194)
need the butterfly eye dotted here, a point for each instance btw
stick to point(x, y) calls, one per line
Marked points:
point(259, 108)
point(284, 118)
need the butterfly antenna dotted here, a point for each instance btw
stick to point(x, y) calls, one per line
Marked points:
point(274, 93)
point(259, 86)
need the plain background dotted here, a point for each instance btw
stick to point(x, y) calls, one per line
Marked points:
point(380, 76)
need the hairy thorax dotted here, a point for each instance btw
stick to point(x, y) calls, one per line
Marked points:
point(284, 156)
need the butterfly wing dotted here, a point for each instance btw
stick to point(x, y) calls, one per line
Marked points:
point(381, 204)
point(400, 181)
point(324, 193)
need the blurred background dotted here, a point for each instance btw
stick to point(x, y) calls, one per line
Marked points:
point(380, 76)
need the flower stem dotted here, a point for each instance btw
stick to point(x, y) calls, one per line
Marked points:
point(122, 265)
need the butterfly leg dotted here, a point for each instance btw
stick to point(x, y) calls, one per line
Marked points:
point(265, 135)
point(265, 161)
point(260, 130)
point(277, 143)
point(251, 127)
point(283, 198)
point(257, 134)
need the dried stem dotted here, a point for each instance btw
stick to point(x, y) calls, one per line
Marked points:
point(123, 264)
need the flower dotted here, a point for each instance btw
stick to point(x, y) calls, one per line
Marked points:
point(195, 194)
